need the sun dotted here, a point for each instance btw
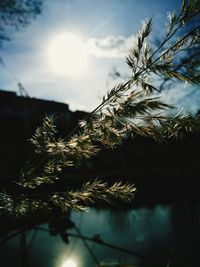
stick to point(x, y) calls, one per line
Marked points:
point(67, 54)
point(69, 263)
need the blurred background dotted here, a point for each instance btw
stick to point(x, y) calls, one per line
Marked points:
point(59, 57)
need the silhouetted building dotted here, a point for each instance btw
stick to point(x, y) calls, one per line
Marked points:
point(19, 117)
point(160, 171)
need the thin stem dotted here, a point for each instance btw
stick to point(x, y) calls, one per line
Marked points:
point(129, 82)
point(103, 243)
point(87, 246)
point(171, 48)
point(8, 237)
point(99, 107)
point(168, 36)
point(165, 41)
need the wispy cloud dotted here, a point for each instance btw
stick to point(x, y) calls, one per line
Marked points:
point(111, 46)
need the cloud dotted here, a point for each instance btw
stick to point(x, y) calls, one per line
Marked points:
point(111, 46)
point(185, 98)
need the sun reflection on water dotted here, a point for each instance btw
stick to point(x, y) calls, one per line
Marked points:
point(69, 263)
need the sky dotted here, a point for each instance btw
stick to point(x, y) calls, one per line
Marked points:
point(104, 31)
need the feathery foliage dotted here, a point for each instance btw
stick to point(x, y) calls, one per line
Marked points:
point(131, 108)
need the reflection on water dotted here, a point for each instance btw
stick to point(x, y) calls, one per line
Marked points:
point(69, 263)
point(163, 233)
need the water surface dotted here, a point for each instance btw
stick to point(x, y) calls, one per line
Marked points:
point(162, 234)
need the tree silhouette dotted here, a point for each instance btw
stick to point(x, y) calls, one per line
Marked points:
point(17, 14)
